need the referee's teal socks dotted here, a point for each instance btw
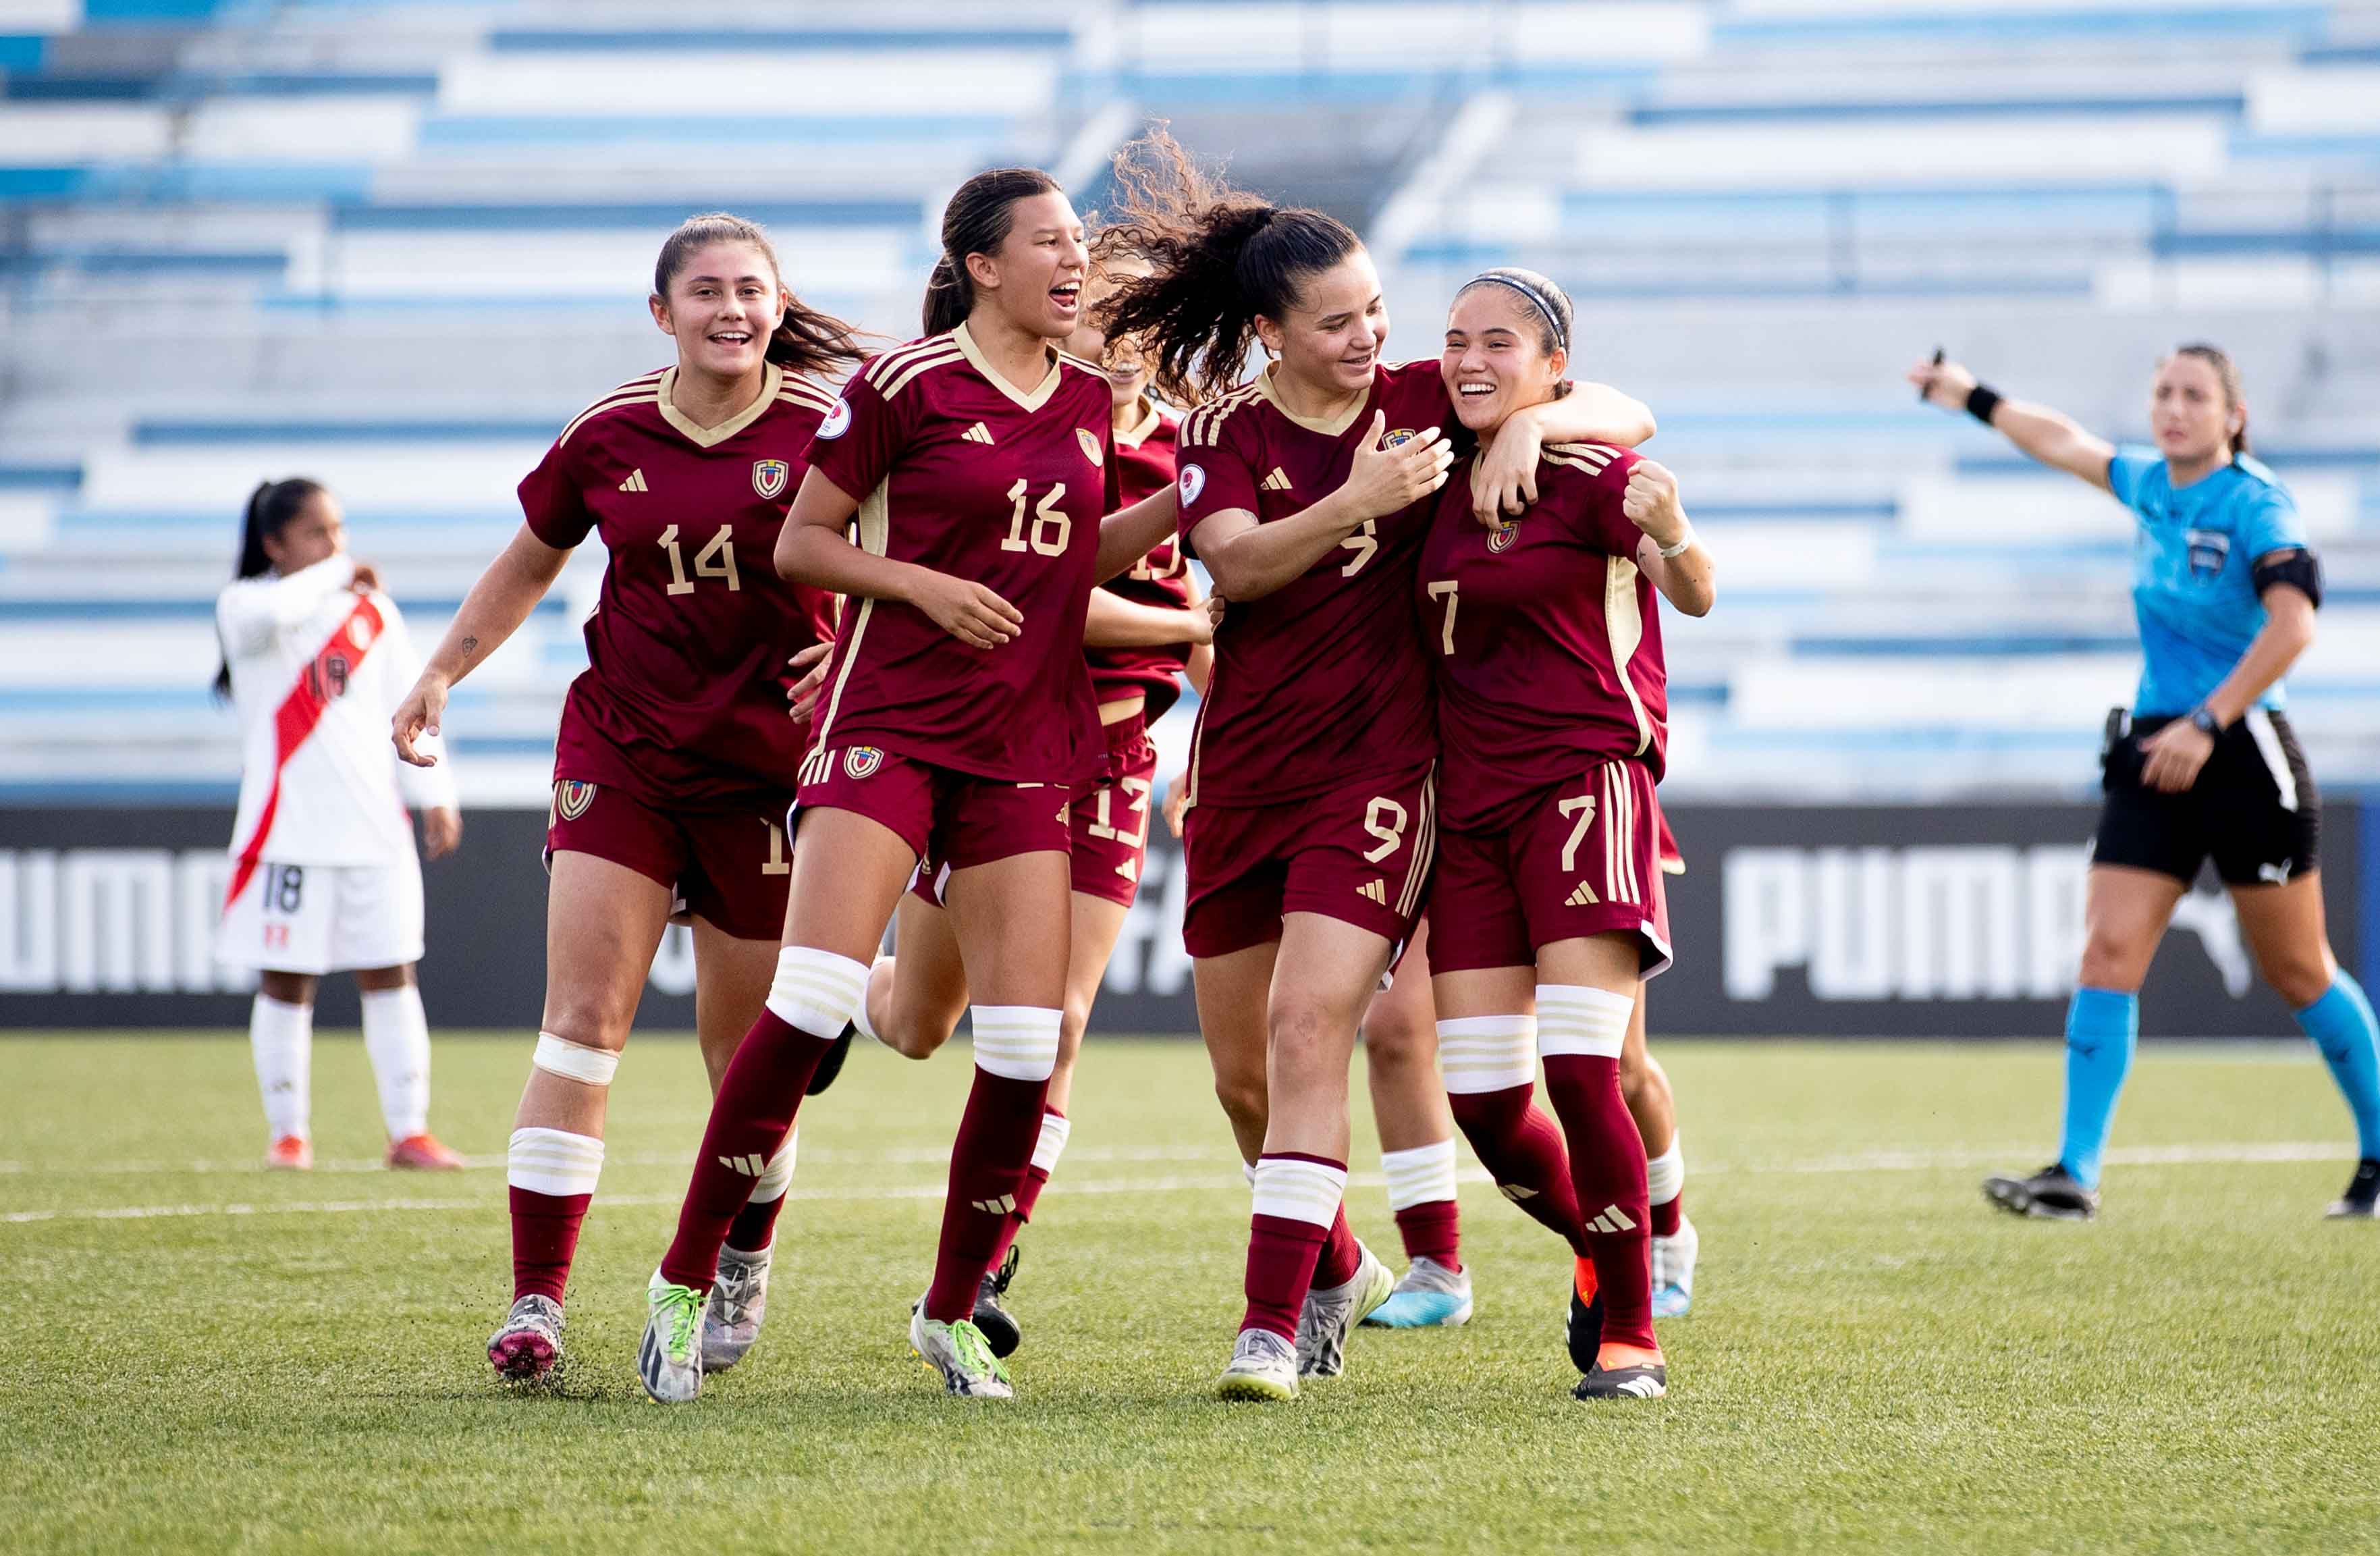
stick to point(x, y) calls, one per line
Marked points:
point(2341, 1025)
point(2101, 1027)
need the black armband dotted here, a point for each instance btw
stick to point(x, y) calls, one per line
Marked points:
point(1981, 402)
point(2297, 567)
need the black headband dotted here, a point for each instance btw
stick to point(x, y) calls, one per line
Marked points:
point(1543, 303)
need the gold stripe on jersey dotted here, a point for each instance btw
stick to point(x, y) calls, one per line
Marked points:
point(1424, 847)
point(875, 520)
point(1085, 363)
point(1028, 399)
point(893, 363)
point(1592, 457)
point(1206, 423)
point(889, 361)
point(914, 368)
point(627, 394)
point(1623, 624)
point(802, 391)
point(701, 437)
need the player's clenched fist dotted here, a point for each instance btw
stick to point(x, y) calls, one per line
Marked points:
point(1651, 503)
point(1383, 479)
point(418, 716)
point(968, 611)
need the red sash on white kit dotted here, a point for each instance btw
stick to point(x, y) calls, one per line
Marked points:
point(323, 678)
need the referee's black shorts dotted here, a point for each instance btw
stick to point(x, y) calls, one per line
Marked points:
point(2253, 811)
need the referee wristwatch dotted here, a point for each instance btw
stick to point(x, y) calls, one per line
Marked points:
point(2202, 719)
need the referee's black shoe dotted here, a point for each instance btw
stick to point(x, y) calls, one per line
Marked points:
point(2052, 1194)
point(2361, 1200)
point(832, 1066)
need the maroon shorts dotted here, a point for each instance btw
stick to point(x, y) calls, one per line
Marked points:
point(1582, 860)
point(1109, 836)
point(729, 867)
point(1360, 854)
point(956, 819)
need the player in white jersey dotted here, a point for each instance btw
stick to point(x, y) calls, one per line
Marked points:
point(324, 877)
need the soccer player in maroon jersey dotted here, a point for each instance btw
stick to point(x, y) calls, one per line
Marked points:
point(675, 757)
point(1551, 708)
point(1311, 810)
point(955, 722)
point(1144, 632)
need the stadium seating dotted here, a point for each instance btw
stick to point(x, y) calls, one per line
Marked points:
point(395, 246)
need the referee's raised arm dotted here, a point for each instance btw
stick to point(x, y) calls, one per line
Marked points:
point(2050, 436)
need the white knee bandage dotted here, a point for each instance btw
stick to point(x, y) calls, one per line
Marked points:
point(553, 1161)
point(560, 1056)
point(1479, 1054)
point(1587, 1023)
point(1016, 1042)
point(816, 990)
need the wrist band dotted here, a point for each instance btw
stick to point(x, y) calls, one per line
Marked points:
point(1685, 542)
point(1981, 402)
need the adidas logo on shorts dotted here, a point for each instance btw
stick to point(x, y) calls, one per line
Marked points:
point(1376, 891)
point(1582, 896)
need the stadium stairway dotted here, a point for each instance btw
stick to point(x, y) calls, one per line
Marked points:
point(395, 246)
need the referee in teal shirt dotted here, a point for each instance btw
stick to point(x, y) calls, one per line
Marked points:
point(2202, 765)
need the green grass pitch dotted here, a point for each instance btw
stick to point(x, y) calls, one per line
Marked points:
point(199, 1361)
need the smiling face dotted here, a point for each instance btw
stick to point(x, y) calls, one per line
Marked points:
point(1127, 371)
point(2192, 418)
point(1331, 337)
point(723, 304)
point(1035, 279)
point(1495, 361)
point(316, 533)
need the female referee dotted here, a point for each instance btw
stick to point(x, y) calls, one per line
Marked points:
point(2204, 764)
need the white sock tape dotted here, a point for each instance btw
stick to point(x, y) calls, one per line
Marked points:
point(1479, 1054)
point(1665, 1175)
point(1294, 1189)
point(1018, 1043)
point(553, 1161)
point(816, 990)
point(560, 1056)
point(1055, 1127)
point(1420, 1176)
point(860, 1011)
point(1588, 1023)
point(778, 1175)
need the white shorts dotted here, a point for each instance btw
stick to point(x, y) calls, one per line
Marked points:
point(324, 919)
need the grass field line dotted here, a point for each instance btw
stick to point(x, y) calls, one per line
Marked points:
point(2238, 1153)
point(934, 1156)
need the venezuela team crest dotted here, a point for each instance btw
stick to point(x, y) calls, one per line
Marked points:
point(862, 761)
point(1501, 540)
point(768, 476)
point(1091, 446)
point(571, 799)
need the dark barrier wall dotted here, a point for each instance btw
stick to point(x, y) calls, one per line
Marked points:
point(1935, 922)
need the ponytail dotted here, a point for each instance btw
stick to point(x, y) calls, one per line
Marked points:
point(810, 341)
point(977, 221)
point(1219, 260)
point(270, 508)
